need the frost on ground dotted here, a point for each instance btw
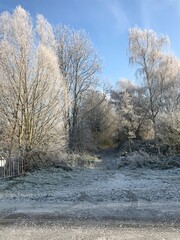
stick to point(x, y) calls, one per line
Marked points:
point(99, 194)
point(153, 194)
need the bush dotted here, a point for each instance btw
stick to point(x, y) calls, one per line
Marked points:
point(140, 159)
point(37, 159)
point(83, 159)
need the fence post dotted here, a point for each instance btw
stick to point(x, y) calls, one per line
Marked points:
point(2, 166)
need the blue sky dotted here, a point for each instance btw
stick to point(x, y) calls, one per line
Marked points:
point(107, 23)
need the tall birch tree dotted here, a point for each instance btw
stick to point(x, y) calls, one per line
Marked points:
point(157, 68)
point(30, 81)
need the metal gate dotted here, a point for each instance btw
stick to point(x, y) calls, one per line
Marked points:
point(11, 167)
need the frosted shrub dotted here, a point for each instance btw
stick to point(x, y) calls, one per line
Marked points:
point(82, 159)
point(138, 159)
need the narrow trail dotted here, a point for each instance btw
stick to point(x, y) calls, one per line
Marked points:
point(107, 159)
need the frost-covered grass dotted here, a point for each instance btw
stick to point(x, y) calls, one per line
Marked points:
point(94, 193)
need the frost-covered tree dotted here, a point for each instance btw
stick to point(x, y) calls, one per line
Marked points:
point(30, 82)
point(154, 65)
point(130, 103)
point(169, 83)
point(96, 120)
point(128, 116)
point(45, 32)
point(79, 65)
point(129, 119)
point(168, 120)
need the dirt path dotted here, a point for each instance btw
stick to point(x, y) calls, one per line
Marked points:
point(107, 159)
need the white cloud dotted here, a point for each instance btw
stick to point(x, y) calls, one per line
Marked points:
point(119, 16)
point(148, 7)
point(116, 14)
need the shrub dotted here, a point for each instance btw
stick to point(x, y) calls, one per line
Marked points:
point(141, 159)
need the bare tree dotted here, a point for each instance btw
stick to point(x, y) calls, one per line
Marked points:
point(79, 65)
